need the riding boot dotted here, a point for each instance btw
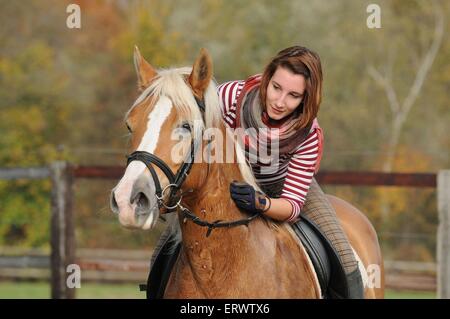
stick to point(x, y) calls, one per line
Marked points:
point(318, 209)
point(161, 264)
point(165, 235)
point(355, 285)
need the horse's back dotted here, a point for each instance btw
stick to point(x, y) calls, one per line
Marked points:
point(363, 238)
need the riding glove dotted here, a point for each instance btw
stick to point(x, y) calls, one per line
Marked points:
point(247, 198)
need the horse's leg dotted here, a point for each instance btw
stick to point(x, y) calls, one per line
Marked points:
point(364, 240)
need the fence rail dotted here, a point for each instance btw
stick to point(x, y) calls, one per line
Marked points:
point(62, 231)
point(377, 179)
point(24, 173)
point(129, 266)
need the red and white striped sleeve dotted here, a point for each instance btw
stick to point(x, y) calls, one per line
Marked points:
point(301, 169)
point(228, 93)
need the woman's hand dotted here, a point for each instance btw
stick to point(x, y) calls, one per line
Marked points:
point(247, 198)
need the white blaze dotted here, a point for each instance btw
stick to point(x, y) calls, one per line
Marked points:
point(149, 141)
point(156, 119)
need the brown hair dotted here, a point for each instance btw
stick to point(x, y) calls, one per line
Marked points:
point(299, 60)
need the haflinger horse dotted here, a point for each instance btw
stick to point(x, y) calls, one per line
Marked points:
point(225, 253)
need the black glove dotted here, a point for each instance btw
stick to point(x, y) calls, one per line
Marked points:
point(247, 198)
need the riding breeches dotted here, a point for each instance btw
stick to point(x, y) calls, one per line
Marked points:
point(318, 209)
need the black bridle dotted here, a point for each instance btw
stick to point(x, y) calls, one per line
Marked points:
point(176, 181)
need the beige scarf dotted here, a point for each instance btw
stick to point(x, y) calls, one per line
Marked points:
point(266, 139)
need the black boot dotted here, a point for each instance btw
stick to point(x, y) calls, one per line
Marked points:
point(161, 264)
point(355, 285)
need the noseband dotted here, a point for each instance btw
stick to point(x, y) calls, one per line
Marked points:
point(177, 180)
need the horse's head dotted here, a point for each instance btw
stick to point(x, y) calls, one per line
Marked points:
point(170, 105)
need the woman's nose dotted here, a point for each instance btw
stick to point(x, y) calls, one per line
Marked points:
point(280, 100)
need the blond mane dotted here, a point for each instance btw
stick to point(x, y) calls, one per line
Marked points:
point(172, 84)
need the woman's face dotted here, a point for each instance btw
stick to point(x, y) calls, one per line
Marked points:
point(284, 93)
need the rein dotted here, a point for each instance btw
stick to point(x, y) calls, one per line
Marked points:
point(216, 224)
point(177, 180)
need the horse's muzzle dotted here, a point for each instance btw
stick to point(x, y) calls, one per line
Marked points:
point(135, 206)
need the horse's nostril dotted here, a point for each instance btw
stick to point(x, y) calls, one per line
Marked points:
point(141, 197)
point(142, 201)
point(113, 203)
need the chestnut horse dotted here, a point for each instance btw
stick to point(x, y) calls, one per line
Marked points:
point(225, 253)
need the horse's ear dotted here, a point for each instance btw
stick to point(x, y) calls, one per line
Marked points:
point(201, 73)
point(144, 71)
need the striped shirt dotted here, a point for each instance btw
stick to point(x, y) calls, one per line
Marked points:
point(296, 169)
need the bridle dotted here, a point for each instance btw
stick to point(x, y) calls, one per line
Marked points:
point(176, 180)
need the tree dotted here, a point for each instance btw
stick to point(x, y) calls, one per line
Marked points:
point(401, 109)
point(34, 120)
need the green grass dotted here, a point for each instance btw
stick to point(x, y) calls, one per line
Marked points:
point(33, 290)
point(393, 294)
point(41, 290)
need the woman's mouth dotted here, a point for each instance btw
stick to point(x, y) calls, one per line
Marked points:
point(276, 111)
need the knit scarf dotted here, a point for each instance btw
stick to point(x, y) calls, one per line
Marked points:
point(249, 114)
point(266, 140)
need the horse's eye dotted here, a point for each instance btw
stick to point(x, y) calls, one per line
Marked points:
point(129, 128)
point(186, 125)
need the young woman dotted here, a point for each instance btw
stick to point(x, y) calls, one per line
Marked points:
point(286, 97)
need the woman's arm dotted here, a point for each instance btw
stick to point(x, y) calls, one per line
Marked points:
point(280, 209)
point(301, 170)
point(228, 93)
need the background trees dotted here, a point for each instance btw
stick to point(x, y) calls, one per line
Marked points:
point(63, 94)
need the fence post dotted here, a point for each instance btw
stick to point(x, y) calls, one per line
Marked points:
point(443, 239)
point(62, 233)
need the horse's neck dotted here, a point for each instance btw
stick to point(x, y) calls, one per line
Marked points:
point(212, 201)
point(219, 265)
point(211, 184)
point(240, 262)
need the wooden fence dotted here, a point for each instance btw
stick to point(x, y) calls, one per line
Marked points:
point(62, 220)
point(132, 266)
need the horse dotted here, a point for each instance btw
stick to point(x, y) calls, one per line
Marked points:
point(225, 253)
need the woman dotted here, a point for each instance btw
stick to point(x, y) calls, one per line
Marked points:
point(285, 99)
